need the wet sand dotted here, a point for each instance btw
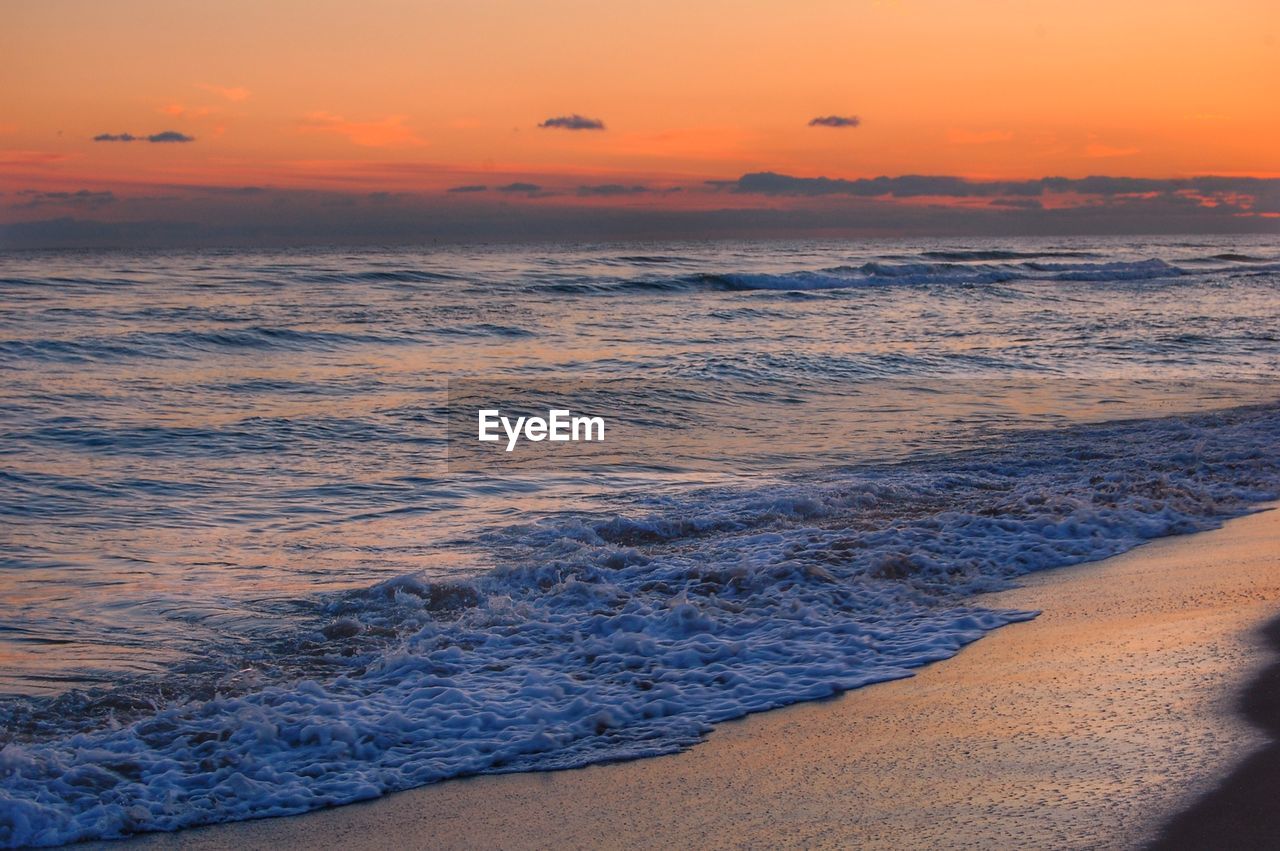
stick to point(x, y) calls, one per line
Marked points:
point(1241, 812)
point(1090, 726)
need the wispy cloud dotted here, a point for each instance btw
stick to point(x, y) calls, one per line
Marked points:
point(231, 93)
point(835, 121)
point(470, 187)
point(611, 190)
point(572, 122)
point(526, 188)
point(389, 132)
point(234, 191)
point(388, 197)
point(1261, 193)
point(906, 186)
point(164, 136)
point(1018, 203)
point(82, 199)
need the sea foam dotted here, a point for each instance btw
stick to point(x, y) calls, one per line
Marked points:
point(604, 638)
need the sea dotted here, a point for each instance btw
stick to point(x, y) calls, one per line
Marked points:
point(253, 563)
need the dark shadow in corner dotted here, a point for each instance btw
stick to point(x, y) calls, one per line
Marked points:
point(1244, 811)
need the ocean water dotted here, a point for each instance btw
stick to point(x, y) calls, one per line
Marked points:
point(247, 568)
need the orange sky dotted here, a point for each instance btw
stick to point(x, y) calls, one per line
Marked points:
point(322, 93)
point(391, 95)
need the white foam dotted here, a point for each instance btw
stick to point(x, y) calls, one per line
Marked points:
point(622, 637)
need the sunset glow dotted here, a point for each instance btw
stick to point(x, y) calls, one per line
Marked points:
point(398, 97)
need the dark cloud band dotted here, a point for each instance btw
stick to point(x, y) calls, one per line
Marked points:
point(184, 215)
point(572, 122)
point(611, 190)
point(946, 186)
point(835, 121)
point(162, 137)
point(83, 198)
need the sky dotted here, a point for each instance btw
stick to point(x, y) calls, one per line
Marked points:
point(138, 122)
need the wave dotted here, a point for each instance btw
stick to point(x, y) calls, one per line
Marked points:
point(597, 286)
point(244, 437)
point(928, 274)
point(189, 344)
point(937, 267)
point(485, 329)
point(964, 256)
point(604, 638)
point(851, 277)
point(1115, 271)
point(1241, 258)
point(66, 282)
point(379, 276)
point(652, 259)
point(961, 269)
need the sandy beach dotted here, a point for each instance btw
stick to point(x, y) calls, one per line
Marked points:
point(1090, 726)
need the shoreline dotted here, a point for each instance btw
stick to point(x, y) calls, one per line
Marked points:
point(1093, 725)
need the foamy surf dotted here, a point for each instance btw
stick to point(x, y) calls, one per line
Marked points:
point(609, 638)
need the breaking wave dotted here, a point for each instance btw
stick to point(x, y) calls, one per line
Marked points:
point(612, 637)
point(877, 274)
point(925, 274)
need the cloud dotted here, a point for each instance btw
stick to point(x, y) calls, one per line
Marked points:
point(313, 217)
point(1018, 203)
point(607, 190)
point(383, 197)
point(1245, 196)
point(249, 215)
point(906, 186)
point(835, 121)
point(231, 93)
point(228, 190)
point(164, 136)
point(170, 136)
point(389, 132)
point(470, 187)
point(83, 198)
point(1100, 185)
point(573, 122)
point(49, 214)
